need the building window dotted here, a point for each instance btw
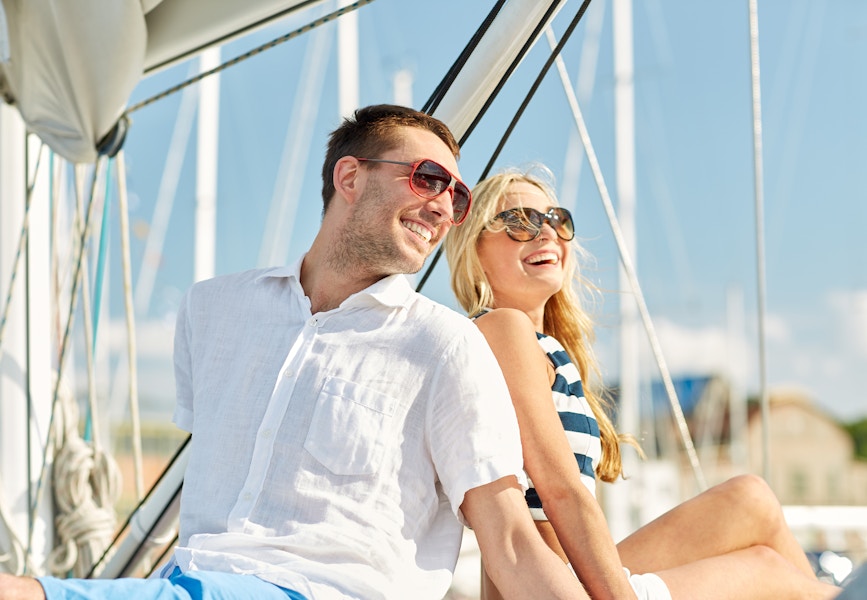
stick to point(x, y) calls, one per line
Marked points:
point(798, 485)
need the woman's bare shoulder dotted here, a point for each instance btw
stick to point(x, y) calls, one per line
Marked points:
point(509, 331)
point(510, 319)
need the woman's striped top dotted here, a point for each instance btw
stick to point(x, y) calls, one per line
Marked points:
point(580, 425)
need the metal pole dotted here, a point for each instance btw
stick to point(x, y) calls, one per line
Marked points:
point(760, 238)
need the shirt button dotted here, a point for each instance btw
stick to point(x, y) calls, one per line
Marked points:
point(313, 322)
point(267, 433)
point(287, 373)
point(247, 496)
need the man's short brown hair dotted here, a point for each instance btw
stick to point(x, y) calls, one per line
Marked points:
point(371, 132)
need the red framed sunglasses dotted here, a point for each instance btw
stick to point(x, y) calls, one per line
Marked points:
point(429, 179)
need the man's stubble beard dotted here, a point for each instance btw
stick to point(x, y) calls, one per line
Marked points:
point(364, 246)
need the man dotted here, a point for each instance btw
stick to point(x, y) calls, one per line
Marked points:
point(341, 423)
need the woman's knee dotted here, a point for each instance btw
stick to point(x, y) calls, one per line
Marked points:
point(753, 493)
point(765, 557)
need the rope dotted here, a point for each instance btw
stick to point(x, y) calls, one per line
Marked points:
point(130, 325)
point(756, 84)
point(86, 484)
point(84, 233)
point(89, 329)
point(22, 243)
point(629, 268)
point(258, 50)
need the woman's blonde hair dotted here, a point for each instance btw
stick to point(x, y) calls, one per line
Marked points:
point(565, 318)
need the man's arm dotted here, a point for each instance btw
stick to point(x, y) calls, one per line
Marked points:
point(516, 558)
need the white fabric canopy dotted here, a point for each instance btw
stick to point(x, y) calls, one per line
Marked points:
point(70, 67)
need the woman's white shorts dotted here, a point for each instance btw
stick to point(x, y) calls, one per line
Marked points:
point(647, 586)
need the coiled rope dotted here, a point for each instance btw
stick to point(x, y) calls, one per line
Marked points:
point(85, 480)
point(86, 484)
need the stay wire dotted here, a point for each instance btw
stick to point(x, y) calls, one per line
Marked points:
point(95, 569)
point(22, 242)
point(83, 235)
point(629, 269)
point(257, 50)
point(451, 75)
point(518, 114)
point(533, 88)
point(524, 49)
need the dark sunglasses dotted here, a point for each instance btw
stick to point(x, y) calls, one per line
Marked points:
point(525, 224)
point(429, 179)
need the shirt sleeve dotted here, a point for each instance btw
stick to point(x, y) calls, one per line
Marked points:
point(183, 415)
point(473, 429)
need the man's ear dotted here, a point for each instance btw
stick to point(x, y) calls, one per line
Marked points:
point(348, 178)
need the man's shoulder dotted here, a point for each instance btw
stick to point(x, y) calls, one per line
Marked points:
point(444, 328)
point(438, 314)
point(233, 281)
point(241, 287)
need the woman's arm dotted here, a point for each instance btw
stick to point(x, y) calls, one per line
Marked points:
point(512, 552)
point(572, 510)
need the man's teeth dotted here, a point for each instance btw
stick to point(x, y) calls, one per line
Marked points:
point(416, 228)
point(548, 257)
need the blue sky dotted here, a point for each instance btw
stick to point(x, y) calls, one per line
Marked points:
point(693, 143)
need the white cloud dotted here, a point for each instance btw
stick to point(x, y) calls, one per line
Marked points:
point(822, 351)
point(850, 314)
point(690, 350)
point(154, 338)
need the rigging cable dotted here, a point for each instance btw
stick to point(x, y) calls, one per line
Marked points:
point(86, 480)
point(18, 554)
point(99, 566)
point(756, 84)
point(452, 74)
point(519, 113)
point(549, 14)
point(257, 50)
point(84, 233)
point(629, 268)
point(22, 242)
point(123, 209)
point(89, 329)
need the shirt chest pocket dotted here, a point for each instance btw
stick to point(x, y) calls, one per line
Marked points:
point(351, 429)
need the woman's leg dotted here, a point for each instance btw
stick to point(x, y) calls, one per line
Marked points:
point(738, 514)
point(756, 573)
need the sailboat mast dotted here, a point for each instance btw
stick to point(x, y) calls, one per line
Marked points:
point(206, 167)
point(25, 349)
point(625, 517)
point(347, 61)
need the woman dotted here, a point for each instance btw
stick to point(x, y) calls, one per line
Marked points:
point(513, 262)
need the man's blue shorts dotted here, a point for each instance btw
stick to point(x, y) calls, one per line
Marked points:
point(194, 585)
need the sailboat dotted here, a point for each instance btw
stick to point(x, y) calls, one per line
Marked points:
point(93, 122)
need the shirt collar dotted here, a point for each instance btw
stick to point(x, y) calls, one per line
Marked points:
point(393, 291)
point(292, 271)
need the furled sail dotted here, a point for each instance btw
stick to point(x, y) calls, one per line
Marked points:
point(70, 67)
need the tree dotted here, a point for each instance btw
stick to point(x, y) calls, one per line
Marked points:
point(858, 431)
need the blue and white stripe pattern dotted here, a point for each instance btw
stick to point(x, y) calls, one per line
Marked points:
point(580, 425)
